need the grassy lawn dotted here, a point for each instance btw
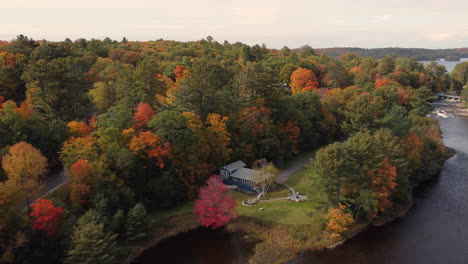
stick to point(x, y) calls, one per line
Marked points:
point(284, 211)
point(299, 181)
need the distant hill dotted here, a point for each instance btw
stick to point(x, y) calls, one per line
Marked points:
point(420, 54)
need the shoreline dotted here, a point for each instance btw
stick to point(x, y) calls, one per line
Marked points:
point(265, 233)
point(456, 109)
point(181, 224)
point(450, 152)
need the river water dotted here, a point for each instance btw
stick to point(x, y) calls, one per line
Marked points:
point(435, 230)
point(200, 246)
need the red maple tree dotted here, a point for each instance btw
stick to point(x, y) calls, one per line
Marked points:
point(143, 114)
point(80, 187)
point(381, 82)
point(215, 206)
point(47, 215)
point(180, 72)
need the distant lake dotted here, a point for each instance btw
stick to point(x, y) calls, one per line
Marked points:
point(450, 65)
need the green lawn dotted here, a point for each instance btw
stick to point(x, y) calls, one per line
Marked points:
point(299, 181)
point(284, 211)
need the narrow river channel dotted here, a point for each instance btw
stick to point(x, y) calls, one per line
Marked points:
point(434, 231)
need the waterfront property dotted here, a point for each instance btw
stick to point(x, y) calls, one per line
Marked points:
point(243, 178)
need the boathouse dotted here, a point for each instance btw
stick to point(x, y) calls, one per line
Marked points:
point(245, 179)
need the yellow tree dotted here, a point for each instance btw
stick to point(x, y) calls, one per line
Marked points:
point(79, 128)
point(339, 219)
point(76, 148)
point(217, 138)
point(24, 166)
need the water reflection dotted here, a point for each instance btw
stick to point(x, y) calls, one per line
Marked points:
point(200, 246)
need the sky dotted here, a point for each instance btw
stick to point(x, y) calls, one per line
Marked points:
point(277, 23)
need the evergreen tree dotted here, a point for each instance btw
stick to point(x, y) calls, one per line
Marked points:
point(118, 222)
point(91, 244)
point(137, 222)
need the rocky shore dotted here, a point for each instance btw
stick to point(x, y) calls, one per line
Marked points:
point(456, 109)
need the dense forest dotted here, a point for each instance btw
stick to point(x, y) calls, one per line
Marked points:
point(139, 127)
point(419, 54)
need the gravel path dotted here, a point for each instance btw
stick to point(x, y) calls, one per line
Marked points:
point(283, 176)
point(54, 181)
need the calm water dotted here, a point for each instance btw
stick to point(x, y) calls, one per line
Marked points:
point(200, 246)
point(435, 231)
point(450, 65)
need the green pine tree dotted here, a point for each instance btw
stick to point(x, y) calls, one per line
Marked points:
point(91, 244)
point(137, 223)
point(117, 224)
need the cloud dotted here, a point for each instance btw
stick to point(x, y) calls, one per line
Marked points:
point(383, 18)
point(365, 23)
point(444, 36)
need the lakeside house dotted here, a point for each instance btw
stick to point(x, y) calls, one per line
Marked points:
point(243, 178)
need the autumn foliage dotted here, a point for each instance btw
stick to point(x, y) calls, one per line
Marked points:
point(218, 128)
point(24, 164)
point(215, 206)
point(79, 128)
point(46, 216)
point(78, 147)
point(25, 110)
point(381, 82)
point(339, 219)
point(254, 116)
point(356, 69)
point(434, 133)
point(180, 72)
point(143, 114)
point(293, 132)
point(147, 143)
point(80, 187)
point(385, 183)
point(303, 80)
point(403, 96)
point(7, 59)
point(414, 147)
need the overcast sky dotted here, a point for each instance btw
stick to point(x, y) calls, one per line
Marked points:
point(277, 23)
